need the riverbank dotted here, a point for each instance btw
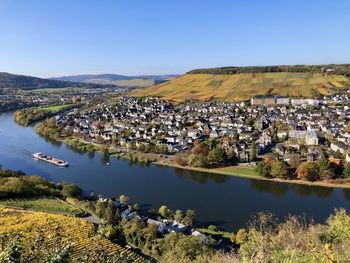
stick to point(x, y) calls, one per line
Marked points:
point(248, 172)
point(237, 171)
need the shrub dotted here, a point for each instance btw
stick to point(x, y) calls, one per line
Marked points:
point(71, 190)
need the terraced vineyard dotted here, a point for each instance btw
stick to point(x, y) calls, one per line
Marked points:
point(51, 231)
point(244, 86)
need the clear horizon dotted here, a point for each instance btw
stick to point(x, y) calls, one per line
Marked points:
point(52, 39)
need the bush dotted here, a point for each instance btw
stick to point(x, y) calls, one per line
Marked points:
point(71, 190)
point(295, 240)
point(26, 186)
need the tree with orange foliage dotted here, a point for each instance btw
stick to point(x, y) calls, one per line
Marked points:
point(347, 127)
point(307, 171)
point(269, 159)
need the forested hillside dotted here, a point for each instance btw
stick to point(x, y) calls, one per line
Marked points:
point(338, 69)
point(12, 81)
point(119, 80)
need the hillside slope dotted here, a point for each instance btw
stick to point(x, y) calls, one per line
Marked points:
point(13, 81)
point(119, 80)
point(41, 235)
point(244, 86)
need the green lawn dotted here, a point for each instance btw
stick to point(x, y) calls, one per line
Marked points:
point(222, 234)
point(41, 204)
point(55, 108)
point(238, 170)
point(54, 90)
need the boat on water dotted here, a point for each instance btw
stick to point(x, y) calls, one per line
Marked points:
point(49, 159)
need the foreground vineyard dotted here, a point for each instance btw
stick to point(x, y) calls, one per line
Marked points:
point(44, 236)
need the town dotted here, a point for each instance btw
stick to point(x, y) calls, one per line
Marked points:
point(310, 128)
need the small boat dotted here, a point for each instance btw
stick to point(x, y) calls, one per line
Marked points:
point(49, 159)
point(108, 163)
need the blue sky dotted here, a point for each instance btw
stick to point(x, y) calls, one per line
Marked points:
point(62, 37)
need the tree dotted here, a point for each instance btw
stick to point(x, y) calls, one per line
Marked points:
point(327, 174)
point(231, 156)
point(99, 139)
point(183, 248)
point(269, 159)
point(189, 217)
point(178, 216)
point(197, 147)
point(346, 171)
point(180, 159)
point(252, 152)
point(241, 236)
point(279, 169)
point(323, 165)
point(294, 160)
point(100, 209)
point(124, 199)
point(212, 228)
point(71, 190)
point(307, 171)
point(165, 212)
point(109, 214)
point(197, 160)
point(136, 207)
point(217, 156)
point(263, 169)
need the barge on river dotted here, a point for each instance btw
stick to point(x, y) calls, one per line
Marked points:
point(49, 159)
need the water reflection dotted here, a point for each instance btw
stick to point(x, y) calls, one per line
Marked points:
point(54, 143)
point(323, 192)
point(91, 155)
point(347, 193)
point(277, 189)
point(200, 177)
point(104, 159)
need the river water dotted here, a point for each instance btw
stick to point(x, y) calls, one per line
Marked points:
point(217, 199)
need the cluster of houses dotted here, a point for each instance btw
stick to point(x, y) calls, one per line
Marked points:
point(163, 226)
point(319, 125)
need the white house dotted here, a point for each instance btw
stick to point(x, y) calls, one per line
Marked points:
point(307, 137)
point(339, 146)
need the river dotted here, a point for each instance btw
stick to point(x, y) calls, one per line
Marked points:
point(217, 199)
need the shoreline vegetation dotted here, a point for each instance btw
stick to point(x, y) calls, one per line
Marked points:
point(28, 116)
point(49, 129)
point(222, 171)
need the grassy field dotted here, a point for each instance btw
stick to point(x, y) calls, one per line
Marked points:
point(55, 108)
point(52, 231)
point(41, 204)
point(245, 86)
point(54, 90)
point(238, 170)
point(219, 233)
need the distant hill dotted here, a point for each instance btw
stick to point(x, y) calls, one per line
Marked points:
point(119, 80)
point(242, 83)
point(12, 81)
